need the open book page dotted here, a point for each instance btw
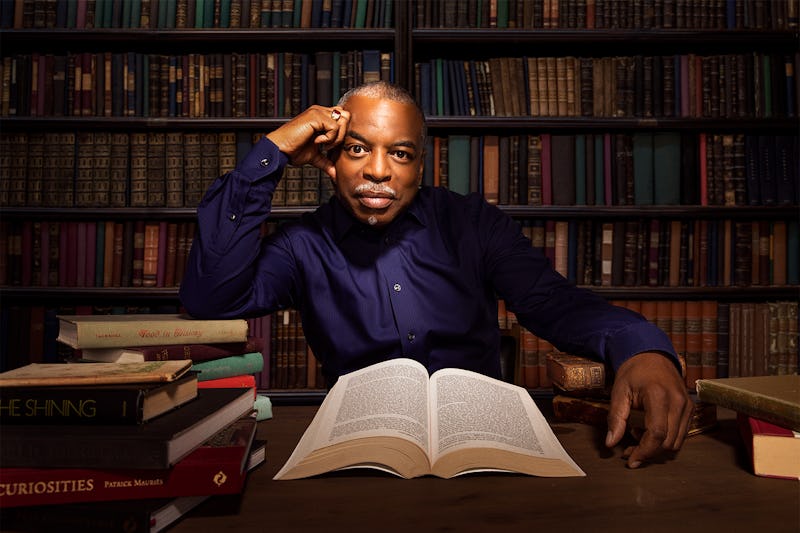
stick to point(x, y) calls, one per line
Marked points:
point(472, 410)
point(386, 399)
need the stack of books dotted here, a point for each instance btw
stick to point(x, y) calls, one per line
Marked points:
point(582, 388)
point(768, 416)
point(137, 443)
point(223, 352)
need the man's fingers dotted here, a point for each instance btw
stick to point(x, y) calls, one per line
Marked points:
point(618, 414)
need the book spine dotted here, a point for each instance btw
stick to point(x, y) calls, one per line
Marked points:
point(49, 405)
point(145, 333)
point(207, 471)
point(236, 365)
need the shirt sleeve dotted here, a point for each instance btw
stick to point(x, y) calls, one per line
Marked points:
point(573, 319)
point(220, 269)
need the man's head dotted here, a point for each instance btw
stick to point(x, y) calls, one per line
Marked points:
point(379, 164)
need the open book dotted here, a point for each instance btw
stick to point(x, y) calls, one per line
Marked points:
point(392, 417)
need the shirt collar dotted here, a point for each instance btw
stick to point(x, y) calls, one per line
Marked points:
point(342, 223)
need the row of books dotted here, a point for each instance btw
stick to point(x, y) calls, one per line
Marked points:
point(606, 14)
point(670, 252)
point(643, 168)
point(173, 169)
point(179, 14)
point(128, 432)
point(683, 85)
point(138, 169)
point(713, 339)
point(91, 253)
point(248, 84)
point(115, 169)
point(612, 253)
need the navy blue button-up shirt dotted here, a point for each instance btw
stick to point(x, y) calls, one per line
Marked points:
point(424, 287)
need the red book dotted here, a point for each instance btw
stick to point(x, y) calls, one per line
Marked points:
point(216, 467)
point(701, 158)
point(91, 254)
point(773, 450)
point(45, 254)
point(27, 252)
point(231, 382)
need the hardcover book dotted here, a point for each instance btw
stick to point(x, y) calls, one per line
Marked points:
point(151, 515)
point(109, 331)
point(195, 352)
point(125, 403)
point(44, 374)
point(774, 399)
point(160, 443)
point(392, 417)
point(216, 467)
point(773, 450)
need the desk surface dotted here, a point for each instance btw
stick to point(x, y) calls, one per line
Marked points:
point(707, 487)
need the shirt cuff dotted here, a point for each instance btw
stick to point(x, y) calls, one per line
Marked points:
point(262, 160)
point(638, 338)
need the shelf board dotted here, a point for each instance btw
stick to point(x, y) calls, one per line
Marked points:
point(606, 124)
point(457, 123)
point(204, 37)
point(170, 294)
point(516, 211)
point(657, 37)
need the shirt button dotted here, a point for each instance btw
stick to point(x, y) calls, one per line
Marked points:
point(264, 163)
point(411, 336)
point(397, 287)
point(232, 217)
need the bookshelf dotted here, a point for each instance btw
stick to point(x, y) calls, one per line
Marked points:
point(411, 37)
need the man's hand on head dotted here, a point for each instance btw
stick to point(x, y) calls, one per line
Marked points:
point(649, 381)
point(306, 138)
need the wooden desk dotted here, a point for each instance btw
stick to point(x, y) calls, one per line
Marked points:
point(706, 488)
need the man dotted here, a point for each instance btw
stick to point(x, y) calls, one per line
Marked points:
point(389, 269)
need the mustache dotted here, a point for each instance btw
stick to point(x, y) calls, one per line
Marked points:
point(375, 188)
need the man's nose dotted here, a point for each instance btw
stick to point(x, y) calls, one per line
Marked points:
point(377, 168)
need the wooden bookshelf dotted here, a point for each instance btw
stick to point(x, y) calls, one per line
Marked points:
point(411, 45)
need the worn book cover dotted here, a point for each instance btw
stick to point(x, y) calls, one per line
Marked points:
point(49, 374)
point(774, 399)
point(110, 331)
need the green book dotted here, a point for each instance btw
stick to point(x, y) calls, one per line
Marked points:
point(208, 16)
point(666, 168)
point(199, 12)
point(502, 13)
point(361, 14)
point(224, 367)
point(458, 159)
point(100, 6)
point(225, 14)
point(439, 66)
point(127, 12)
point(643, 169)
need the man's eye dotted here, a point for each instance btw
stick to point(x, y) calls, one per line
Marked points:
point(400, 154)
point(356, 149)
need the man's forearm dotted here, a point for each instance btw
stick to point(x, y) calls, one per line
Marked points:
point(219, 268)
